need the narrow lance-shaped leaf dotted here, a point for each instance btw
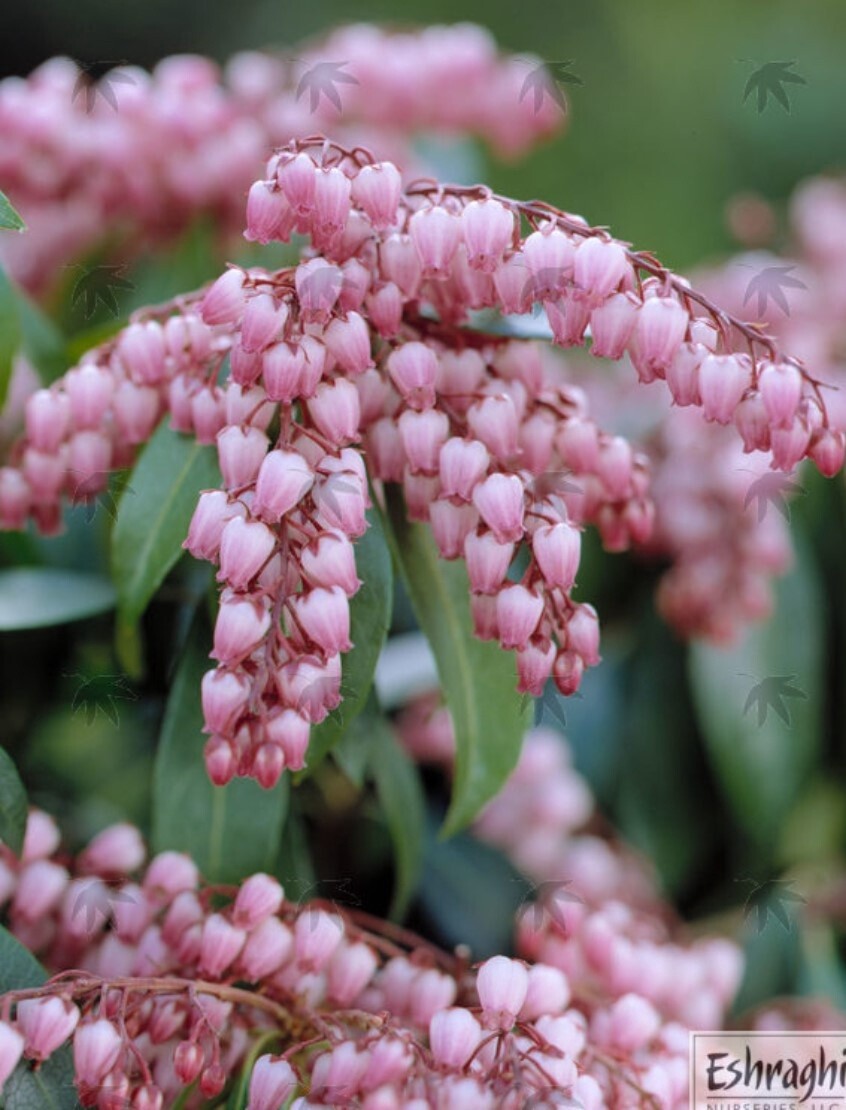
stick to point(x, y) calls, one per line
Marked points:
point(36, 597)
point(10, 219)
point(154, 513)
point(230, 831)
point(12, 804)
point(10, 332)
point(478, 678)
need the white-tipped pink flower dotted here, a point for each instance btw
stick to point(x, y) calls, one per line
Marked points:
point(272, 1082)
point(11, 1050)
point(599, 266)
point(225, 696)
point(259, 896)
point(502, 985)
point(462, 465)
point(494, 421)
point(268, 947)
point(557, 549)
point(46, 1023)
point(781, 389)
point(518, 611)
point(658, 334)
point(241, 625)
point(240, 452)
point(245, 546)
point(376, 189)
point(262, 322)
point(324, 615)
point(213, 512)
point(612, 323)
point(423, 434)
point(349, 971)
point(436, 234)
point(316, 936)
point(500, 501)
point(284, 479)
point(117, 850)
point(413, 368)
point(336, 411)
point(96, 1048)
point(220, 945)
point(224, 301)
point(330, 561)
point(487, 561)
point(454, 1035)
point(348, 340)
point(723, 379)
point(488, 228)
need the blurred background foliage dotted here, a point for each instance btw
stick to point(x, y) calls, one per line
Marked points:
point(659, 140)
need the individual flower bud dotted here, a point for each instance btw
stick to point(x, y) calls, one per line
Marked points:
point(462, 463)
point(335, 410)
point(431, 991)
point(136, 410)
point(502, 985)
point(413, 368)
point(41, 884)
point(214, 511)
point(46, 1023)
point(780, 386)
point(269, 214)
point(534, 666)
point(611, 324)
point(329, 560)
point(567, 672)
point(659, 332)
point(318, 285)
point(633, 1023)
point(245, 546)
point(141, 349)
point(789, 445)
point(682, 374)
point(117, 850)
point(400, 263)
point(752, 421)
point(500, 501)
point(723, 379)
point(89, 461)
point(259, 897)
point(483, 609)
point(583, 634)
point(332, 190)
point(47, 413)
point(11, 1049)
point(188, 1060)
point(272, 1082)
point(494, 421)
point(599, 266)
point(614, 466)
point(240, 452)
point(96, 1048)
point(297, 178)
point(14, 499)
point(221, 942)
point(518, 611)
point(348, 340)
point(284, 479)
point(389, 1060)
point(828, 449)
point(212, 1081)
point(459, 374)
point(488, 229)
point(376, 189)
point(169, 874)
point(557, 549)
point(423, 434)
point(262, 322)
point(241, 625)
point(225, 696)
point(350, 969)
point(548, 255)
point(451, 524)
point(324, 615)
point(269, 946)
point(89, 389)
point(568, 318)
point(487, 561)
point(41, 838)
point(548, 992)
point(282, 368)
point(316, 936)
point(454, 1035)
point(221, 760)
point(436, 234)
point(384, 309)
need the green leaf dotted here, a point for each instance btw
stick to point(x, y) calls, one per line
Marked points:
point(401, 796)
point(51, 1087)
point(10, 332)
point(478, 677)
point(154, 513)
point(370, 616)
point(41, 341)
point(10, 220)
point(762, 761)
point(12, 805)
point(36, 597)
point(230, 831)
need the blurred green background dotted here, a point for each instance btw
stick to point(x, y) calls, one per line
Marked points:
point(659, 137)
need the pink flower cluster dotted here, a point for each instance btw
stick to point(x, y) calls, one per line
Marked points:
point(161, 982)
point(187, 139)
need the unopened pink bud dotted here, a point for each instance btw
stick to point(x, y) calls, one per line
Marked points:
point(557, 549)
point(431, 991)
point(241, 625)
point(454, 1035)
point(459, 375)
point(214, 511)
point(828, 449)
point(46, 1023)
point(224, 301)
point(348, 340)
point(488, 229)
point(221, 942)
point(634, 1022)
point(682, 374)
point(502, 985)
point(142, 351)
point(90, 390)
point(599, 266)
point(376, 190)
point(612, 323)
point(283, 481)
point(500, 501)
point(790, 444)
point(549, 255)
point(753, 422)
point(723, 379)
point(534, 666)
point(169, 874)
point(272, 1082)
point(332, 190)
point(259, 897)
point(384, 309)
point(548, 992)
point(240, 452)
point(451, 524)
point(349, 971)
point(487, 560)
point(119, 849)
point(483, 609)
point(283, 371)
point(42, 836)
point(336, 411)
point(11, 1050)
point(413, 368)
point(188, 1060)
point(400, 263)
point(462, 465)
point(47, 419)
point(324, 615)
point(245, 546)
point(14, 499)
point(89, 461)
point(614, 466)
point(583, 634)
point(225, 695)
point(316, 936)
point(423, 434)
point(518, 611)
point(494, 421)
point(318, 284)
point(781, 388)
point(390, 1059)
point(262, 322)
point(269, 214)
point(136, 410)
point(659, 332)
point(297, 178)
point(330, 561)
point(41, 885)
point(436, 234)
point(269, 945)
point(96, 1048)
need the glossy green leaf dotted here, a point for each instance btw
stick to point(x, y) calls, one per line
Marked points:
point(744, 693)
point(51, 1086)
point(370, 616)
point(10, 332)
point(400, 793)
point(230, 831)
point(13, 805)
point(10, 220)
point(154, 513)
point(36, 597)
point(478, 678)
